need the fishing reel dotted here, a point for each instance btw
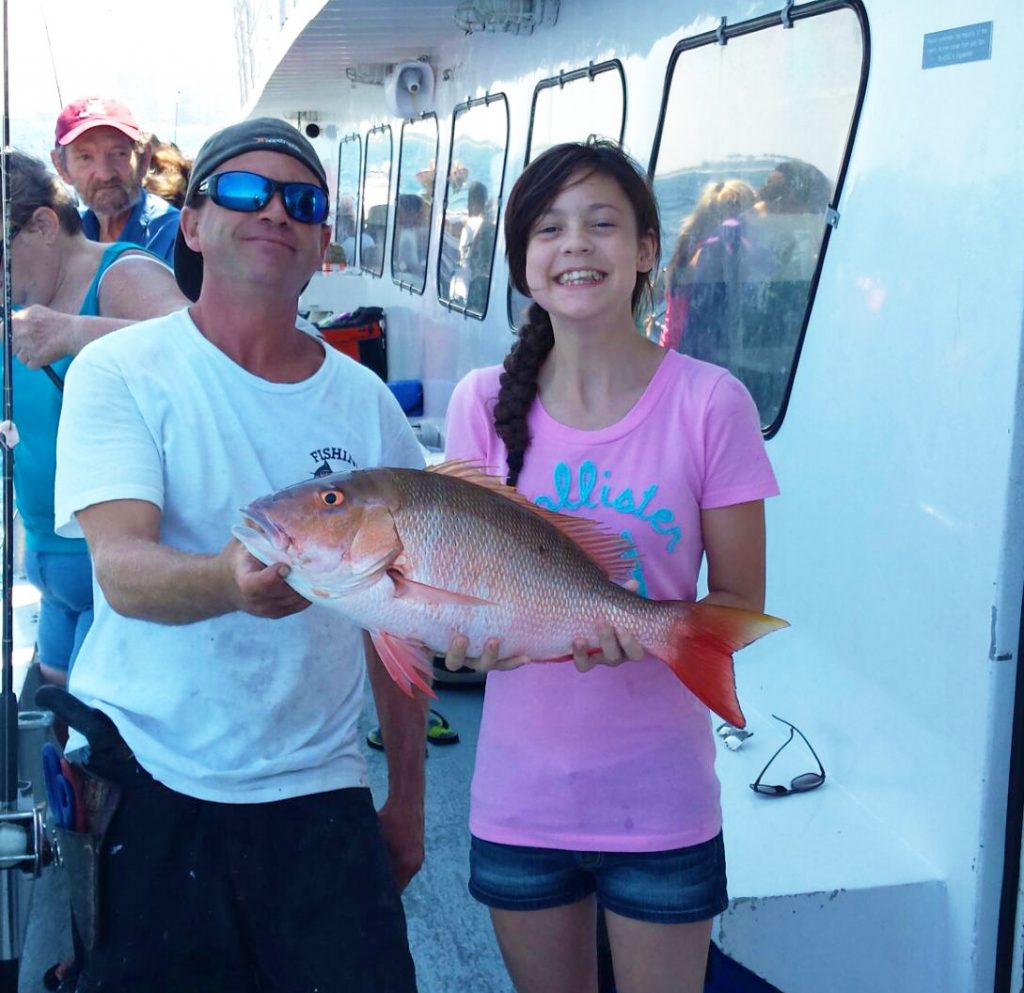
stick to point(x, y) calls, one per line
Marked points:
point(23, 841)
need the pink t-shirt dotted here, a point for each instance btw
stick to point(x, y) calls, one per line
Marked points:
point(618, 758)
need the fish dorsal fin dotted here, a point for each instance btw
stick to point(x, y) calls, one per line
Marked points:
point(604, 548)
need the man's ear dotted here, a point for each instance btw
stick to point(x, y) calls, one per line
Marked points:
point(189, 222)
point(325, 238)
point(144, 161)
point(57, 156)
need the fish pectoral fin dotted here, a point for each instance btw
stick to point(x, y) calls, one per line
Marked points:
point(421, 592)
point(408, 663)
point(374, 548)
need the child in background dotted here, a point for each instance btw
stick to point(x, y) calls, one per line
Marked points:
point(595, 783)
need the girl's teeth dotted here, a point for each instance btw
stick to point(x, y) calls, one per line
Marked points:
point(581, 276)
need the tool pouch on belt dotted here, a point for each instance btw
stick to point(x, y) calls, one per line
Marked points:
point(81, 852)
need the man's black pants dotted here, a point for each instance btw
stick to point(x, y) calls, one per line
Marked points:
point(294, 896)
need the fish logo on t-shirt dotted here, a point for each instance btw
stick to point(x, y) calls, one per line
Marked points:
point(331, 459)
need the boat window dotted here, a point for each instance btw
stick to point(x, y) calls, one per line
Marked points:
point(572, 106)
point(747, 178)
point(417, 159)
point(346, 200)
point(376, 187)
point(472, 198)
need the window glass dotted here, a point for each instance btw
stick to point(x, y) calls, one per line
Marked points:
point(376, 187)
point(744, 177)
point(471, 201)
point(571, 107)
point(347, 197)
point(417, 158)
point(577, 104)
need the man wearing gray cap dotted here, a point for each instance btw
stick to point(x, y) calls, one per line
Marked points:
point(245, 853)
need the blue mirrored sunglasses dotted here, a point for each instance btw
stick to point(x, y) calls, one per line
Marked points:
point(249, 192)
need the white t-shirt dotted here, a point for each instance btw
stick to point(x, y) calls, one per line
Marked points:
point(236, 708)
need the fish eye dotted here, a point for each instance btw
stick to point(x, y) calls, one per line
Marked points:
point(331, 497)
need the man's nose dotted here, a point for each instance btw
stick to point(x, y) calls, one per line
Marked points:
point(107, 167)
point(274, 209)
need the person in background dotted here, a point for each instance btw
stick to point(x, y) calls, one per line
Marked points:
point(168, 172)
point(565, 817)
point(67, 291)
point(720, 203)
point(104, 155)
point(347, 230)
point(225, 709)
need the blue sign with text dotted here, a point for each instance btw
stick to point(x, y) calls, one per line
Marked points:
point(971, 43)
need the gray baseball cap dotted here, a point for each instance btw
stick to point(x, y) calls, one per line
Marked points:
point(260, 134)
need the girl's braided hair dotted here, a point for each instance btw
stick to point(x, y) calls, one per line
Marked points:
point(532, 194)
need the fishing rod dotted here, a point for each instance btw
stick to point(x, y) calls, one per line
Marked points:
point(21, 831)
point(8, 699)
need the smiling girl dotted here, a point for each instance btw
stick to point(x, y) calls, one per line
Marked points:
point(595, 784)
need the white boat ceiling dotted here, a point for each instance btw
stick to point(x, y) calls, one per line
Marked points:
point(330, 37)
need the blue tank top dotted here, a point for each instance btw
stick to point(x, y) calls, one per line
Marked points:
point(37, 403)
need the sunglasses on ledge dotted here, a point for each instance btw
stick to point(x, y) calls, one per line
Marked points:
point(801, 784)
point(249, 192)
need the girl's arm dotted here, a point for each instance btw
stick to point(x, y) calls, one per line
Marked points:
point(734, 542)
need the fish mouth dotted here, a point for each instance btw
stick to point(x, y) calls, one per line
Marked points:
point(268, 528)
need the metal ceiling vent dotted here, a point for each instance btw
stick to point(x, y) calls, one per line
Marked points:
point(510, 16)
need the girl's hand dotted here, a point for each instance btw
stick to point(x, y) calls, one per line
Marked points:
point(491, 658)
point(616, 647)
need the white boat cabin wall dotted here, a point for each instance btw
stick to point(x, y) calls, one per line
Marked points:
point(882, 342)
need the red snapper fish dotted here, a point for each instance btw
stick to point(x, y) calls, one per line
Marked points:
point(417, 556)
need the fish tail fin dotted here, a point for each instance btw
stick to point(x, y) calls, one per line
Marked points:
point(701, 640)
point(408, 663)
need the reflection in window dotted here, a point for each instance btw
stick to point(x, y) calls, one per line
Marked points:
point(376, 187)
point(744, 177)
point(472, 197)
point(417, 158)
point(571, 107)
point(347, 198)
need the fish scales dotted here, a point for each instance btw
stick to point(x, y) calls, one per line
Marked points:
point(463, 537)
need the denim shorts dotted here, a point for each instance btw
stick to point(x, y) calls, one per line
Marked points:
point(64, 581)
point(673, 887)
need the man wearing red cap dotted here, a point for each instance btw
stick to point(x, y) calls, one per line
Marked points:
point(103, 154)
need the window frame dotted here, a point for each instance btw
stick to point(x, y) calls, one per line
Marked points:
point(387, 202)
point(357, 235)
point(785, 19)
point(589, 71)
point(405, 284)
point(485, 101)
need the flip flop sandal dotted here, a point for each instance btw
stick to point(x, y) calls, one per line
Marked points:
point(375, 740)
point(439, 731)
point(61, 977)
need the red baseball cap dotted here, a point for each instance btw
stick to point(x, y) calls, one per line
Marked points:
point(93, 112)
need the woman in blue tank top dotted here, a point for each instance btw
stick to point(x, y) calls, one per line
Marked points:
point(66, 291)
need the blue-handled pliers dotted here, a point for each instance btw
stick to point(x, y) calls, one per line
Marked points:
point(59, 790)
